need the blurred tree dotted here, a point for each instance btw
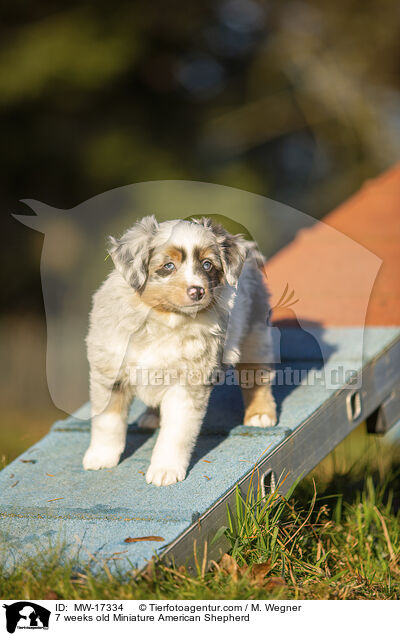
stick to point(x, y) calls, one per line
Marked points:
point(295, 100)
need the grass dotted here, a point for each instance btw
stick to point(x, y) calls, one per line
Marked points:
point(20, 430)
point(335, 536)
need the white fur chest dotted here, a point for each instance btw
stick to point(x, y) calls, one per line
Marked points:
point(157, 348)
point(155, 360)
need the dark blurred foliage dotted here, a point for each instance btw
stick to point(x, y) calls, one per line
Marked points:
point(295, 100)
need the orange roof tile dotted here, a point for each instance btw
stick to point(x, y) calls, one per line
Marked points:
point(334, 267)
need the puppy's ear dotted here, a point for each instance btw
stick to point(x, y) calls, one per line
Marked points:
point(232, 249)
point(131, 253)
point(233, 255)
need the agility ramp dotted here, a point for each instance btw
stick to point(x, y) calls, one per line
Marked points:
point(46, 498)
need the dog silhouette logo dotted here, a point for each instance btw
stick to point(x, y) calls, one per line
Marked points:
point(73, 265)
point(26, 615)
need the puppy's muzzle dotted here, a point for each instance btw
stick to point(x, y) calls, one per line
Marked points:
point(195, 293)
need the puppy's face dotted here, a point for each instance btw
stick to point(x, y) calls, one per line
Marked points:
point(183, 278)
point(182, 265)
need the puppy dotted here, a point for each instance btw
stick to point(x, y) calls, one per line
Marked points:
point(184, 298)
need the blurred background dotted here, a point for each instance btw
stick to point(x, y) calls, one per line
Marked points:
point(298, 101)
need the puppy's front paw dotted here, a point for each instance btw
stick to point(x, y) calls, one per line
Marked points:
point(97, 457)
point(165, 475)
point(263, 420)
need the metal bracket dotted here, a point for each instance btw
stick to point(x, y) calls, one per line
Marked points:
point(386, 415)
point(268, 483)
point(353, 406)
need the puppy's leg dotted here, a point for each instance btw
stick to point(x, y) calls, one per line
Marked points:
point(259, 403)
point(150, 418)
point(255, 375)
point(182, 413)
point(108, 428)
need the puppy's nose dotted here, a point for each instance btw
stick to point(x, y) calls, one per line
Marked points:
point(195, 293)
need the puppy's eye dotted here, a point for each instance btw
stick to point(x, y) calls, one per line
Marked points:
point(169, 267)
point(207, 265)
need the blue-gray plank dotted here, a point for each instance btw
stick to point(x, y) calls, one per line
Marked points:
point(51, 500)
